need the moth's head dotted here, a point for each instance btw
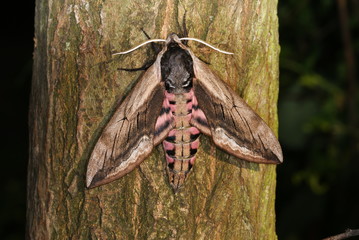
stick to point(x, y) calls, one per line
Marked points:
point(173, 38)
point(176, 67)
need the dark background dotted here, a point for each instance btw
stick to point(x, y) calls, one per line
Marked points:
point(318, 190)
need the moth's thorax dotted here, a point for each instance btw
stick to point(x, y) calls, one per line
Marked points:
point(177, 69)
point(182, 141)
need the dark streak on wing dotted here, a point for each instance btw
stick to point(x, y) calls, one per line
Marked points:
point(262, 143)
point(161, 128)
point(137, 119)
point(201, 121)
point(224, 117)
point(113, 145)
point(105, 158)
point(123, 119)
point(233, 122)
point(249, 129)
point(129, 132)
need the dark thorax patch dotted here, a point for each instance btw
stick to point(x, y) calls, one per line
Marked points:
point(177, 69)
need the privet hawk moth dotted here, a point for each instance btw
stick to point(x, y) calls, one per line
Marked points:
point(176, 100)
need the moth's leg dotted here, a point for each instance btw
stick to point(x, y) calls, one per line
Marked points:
point(208, 63)
point(144, 67)
point(184, 26)
point(155, 46)
point(144, 32)
point(184, 32)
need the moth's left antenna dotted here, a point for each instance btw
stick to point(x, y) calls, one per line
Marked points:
point(144, 43)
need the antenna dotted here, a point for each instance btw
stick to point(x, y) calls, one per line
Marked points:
point(133, 49)
point(207, 44)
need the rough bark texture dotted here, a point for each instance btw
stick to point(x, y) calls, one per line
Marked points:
point(75, 86)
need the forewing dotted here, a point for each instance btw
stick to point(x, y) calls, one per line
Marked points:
point(234, 126)
point(128, 137)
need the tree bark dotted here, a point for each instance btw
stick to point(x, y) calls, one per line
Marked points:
point(75, 87)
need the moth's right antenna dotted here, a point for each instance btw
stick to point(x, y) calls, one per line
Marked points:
point(133, 49)
point(207, 44)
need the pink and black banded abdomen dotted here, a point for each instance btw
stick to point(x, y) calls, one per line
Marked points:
point(182, 142)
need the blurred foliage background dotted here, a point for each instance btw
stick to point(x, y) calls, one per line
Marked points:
point(318, 184)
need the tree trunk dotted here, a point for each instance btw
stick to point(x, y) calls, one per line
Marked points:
point(75, 86)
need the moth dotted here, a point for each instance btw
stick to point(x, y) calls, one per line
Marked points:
point(176, 100)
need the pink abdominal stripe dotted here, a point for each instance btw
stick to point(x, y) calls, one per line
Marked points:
point(182, 141)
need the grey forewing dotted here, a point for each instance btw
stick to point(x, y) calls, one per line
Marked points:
point(235, 127)
point(128, 138)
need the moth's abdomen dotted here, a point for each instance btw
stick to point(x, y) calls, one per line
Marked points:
point(182, 142)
